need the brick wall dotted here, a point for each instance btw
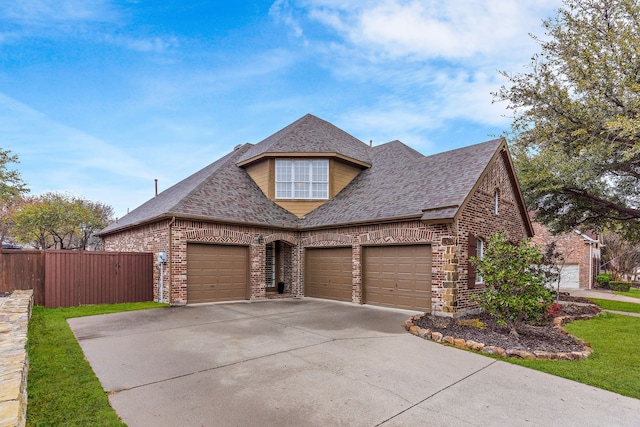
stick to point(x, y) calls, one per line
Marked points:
point(449, 244)
point(575, 248)
point(479, 219)
point(147, 238)
point(408, 232)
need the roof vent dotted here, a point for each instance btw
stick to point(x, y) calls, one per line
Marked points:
point(237, 146)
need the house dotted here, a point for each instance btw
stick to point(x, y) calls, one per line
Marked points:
point(580, 252)
point(330, 217)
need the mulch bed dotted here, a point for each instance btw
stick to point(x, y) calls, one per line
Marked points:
point(540, 337)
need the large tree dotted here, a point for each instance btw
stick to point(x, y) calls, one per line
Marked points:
point(576, 130)
point(12, 188)
point(60, 221)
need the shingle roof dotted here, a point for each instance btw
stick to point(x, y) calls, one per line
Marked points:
point(221, 191)
point(400, 183)
point(403, 183)
point(310, 134)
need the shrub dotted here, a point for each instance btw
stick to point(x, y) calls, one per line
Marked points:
point(603, 280)
point(515, 285)
point(620, 286)
point(554, 310)
point(472, 323)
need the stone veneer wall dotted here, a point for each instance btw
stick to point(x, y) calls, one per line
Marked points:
point(15, 312)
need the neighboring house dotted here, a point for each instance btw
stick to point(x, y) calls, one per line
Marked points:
point(580, 252)
point(331, 217)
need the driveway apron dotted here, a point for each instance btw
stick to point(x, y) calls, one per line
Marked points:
point(308, 362)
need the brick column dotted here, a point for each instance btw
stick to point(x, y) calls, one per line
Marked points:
point(257, 255)
point(356, 288)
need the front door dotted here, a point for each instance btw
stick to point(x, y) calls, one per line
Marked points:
point(271, 267)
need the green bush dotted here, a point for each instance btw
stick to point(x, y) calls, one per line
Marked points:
point(620, 286)
point(603, 280)
point(515, 285)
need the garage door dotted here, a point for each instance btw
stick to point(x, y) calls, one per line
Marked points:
point(217, 273)
point(328, 273)
point(569, 277)
point(398, 276)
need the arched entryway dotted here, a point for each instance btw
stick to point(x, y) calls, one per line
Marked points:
point(278, 268)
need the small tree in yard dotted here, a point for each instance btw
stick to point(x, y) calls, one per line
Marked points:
point(515, 284)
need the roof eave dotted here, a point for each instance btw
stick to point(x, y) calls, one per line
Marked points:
point(362, 222)
point(269, 155)
point(134, 225)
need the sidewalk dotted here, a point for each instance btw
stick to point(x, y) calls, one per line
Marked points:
point(604, 294)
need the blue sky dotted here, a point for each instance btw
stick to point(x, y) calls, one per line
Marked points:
point(100, 97)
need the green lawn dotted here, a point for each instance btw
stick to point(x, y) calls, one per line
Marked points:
point(62, 388)
point(633, 293)
point(629, 307)
point(615, 362)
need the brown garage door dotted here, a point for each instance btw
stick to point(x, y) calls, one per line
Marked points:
point(217, 273)
point(328, 273)
point(398, 276)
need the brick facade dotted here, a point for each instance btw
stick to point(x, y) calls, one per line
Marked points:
point(449, 244)
point(576, 248)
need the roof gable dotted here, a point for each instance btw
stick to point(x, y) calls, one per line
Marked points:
point(400, 184)
point(221, 191)
point(311, 135)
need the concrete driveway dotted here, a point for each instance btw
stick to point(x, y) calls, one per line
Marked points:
point(311, 362)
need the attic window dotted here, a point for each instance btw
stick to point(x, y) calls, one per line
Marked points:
point(496, 202)
point(302, 179)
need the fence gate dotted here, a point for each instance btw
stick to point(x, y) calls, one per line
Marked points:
point(82, 278)
point(23, 269)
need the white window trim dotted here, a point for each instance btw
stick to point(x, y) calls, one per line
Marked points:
point(496, 202)
point(479, 255)
point(308, 180)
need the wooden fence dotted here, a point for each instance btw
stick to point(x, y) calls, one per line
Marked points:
point(70, 278)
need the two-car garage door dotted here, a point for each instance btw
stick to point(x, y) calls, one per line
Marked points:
point(392, 276)
point(217, 273)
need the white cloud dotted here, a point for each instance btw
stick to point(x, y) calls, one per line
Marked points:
point(433, 62)
point(58, 12)
point(72, 158)
point(284, 12)
point(430, 28)
point(156, 44)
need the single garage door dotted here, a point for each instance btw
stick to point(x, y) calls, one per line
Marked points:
point(217, 273)
point(398, 276)
point(569, 277)
point(328, 273)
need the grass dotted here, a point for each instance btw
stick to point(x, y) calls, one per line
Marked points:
point(629, 307)
point(614, 364)
point(633, 293)
point(62, 388)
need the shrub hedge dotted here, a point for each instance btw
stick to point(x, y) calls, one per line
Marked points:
point(619, 286)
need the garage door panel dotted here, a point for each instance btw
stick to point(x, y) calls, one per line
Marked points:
point(328, 273)
point(398, 276)
point(217, 273)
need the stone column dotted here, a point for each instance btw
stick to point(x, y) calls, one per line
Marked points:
point(451, 276)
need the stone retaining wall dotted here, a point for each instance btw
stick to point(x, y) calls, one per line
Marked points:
point(14, 362)
point(558, 322)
